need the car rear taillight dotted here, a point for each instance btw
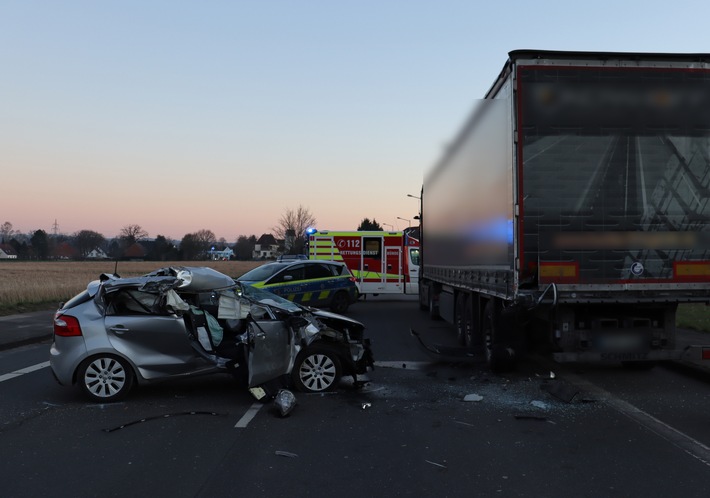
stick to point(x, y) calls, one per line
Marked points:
point(66, 326)
point(352, 279)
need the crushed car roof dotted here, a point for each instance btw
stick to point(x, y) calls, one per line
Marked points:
point(185, 278)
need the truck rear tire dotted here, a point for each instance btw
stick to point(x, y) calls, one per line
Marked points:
point(460, 318)
point(423, 303)
point(472, 328)
point(499, 355)
point(433, 305)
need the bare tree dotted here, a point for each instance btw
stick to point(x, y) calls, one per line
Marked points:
point(132, 233)
point(206, 238)
point(298, 221)
point(195, 245)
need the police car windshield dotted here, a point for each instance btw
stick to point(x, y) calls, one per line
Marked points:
point(260, 273)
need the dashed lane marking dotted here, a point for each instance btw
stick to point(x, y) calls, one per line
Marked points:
point(248, 416)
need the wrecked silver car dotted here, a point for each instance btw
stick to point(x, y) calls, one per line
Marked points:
point(182, 321)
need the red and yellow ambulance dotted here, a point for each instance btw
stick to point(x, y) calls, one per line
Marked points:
point(381, 262)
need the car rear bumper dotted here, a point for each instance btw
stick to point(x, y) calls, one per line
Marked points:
point(64, 357)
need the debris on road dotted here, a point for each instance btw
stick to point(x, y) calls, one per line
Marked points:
point(436, 464)
point(285, 402)
point(287, 454)
point(473, 397)
point(158, 417)
point(539, 404)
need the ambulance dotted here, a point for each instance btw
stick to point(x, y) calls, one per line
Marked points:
point(381, 262)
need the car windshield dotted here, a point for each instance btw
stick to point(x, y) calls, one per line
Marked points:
point(268, 298)
point(261, 272)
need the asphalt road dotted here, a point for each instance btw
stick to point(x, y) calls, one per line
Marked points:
point(408, 433)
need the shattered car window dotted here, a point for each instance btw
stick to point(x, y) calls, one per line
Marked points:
point(131, 302)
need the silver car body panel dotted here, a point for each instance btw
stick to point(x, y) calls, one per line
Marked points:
point(158, 345)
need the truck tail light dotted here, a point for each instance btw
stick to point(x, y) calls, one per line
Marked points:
point(691, 270)
point(705, 355)
point(66, 326)
point(559, 272)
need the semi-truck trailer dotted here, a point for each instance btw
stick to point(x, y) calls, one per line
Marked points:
point(571, 211)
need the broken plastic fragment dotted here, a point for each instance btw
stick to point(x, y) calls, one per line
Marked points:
point(285, 401)
point(366, 405)
point(473, 397)
point(258, 393)
point(285, 454)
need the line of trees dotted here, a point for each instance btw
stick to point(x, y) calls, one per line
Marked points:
point(134, 242)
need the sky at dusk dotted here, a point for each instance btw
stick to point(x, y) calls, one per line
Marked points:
point(180, 116)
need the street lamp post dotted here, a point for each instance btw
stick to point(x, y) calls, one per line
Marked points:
point(405, 219)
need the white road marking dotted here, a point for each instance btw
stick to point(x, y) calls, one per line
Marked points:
point(248, 416)
point(23, 371)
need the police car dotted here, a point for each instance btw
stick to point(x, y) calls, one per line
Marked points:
point(310, 283)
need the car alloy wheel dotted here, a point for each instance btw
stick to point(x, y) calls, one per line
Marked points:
point(317, 369)
point(105, 378)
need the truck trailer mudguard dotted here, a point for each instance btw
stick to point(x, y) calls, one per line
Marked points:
point(575, 199)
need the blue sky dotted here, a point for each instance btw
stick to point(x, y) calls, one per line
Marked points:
point(181, 116)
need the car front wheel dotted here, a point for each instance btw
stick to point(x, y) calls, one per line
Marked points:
point(317, 369)
point(105, 378)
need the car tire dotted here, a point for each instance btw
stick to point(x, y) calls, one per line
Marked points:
point(105, 378)
point(317, 369)
point(340, 302)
